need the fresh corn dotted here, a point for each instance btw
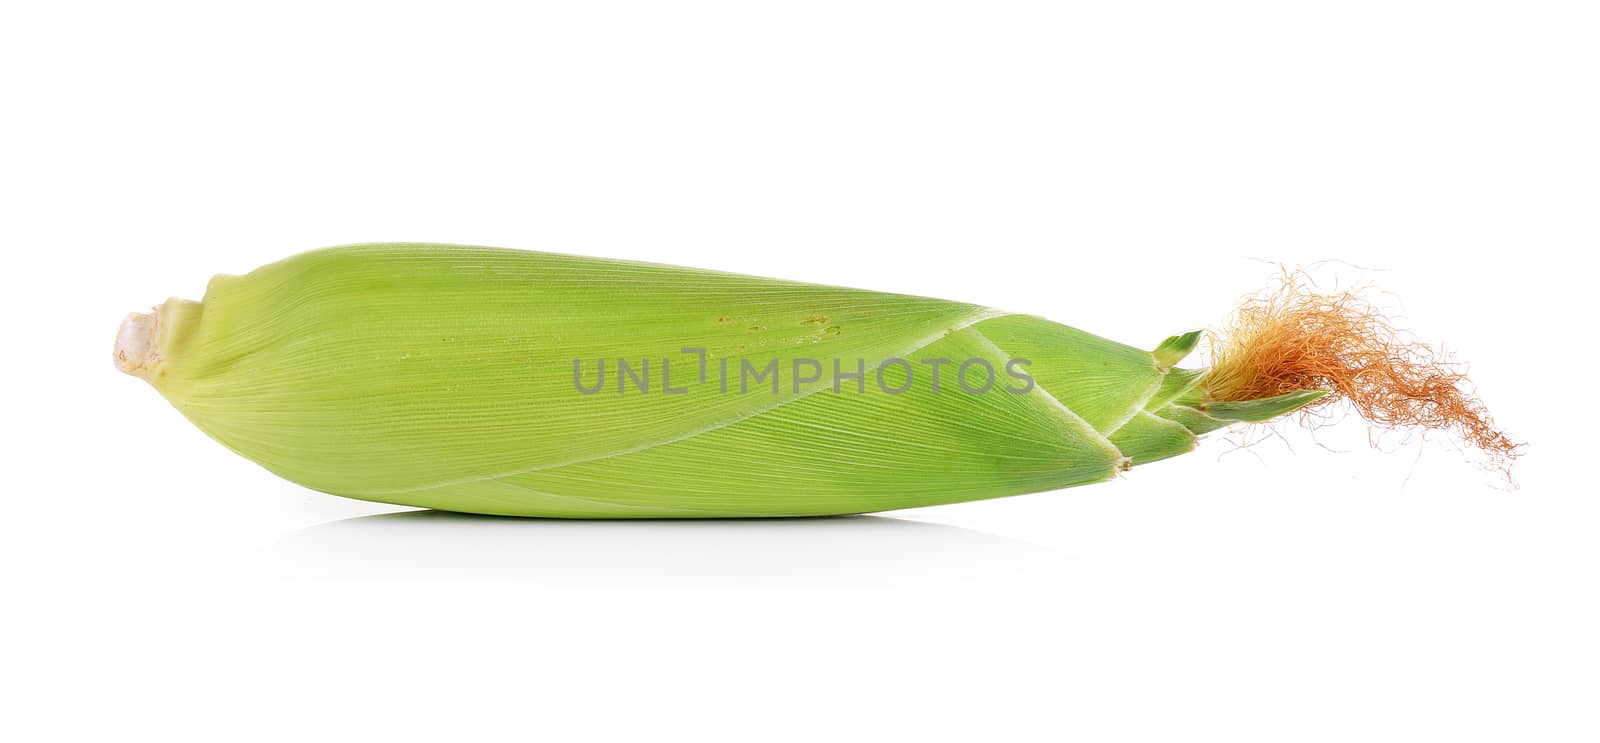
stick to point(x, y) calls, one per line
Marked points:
point(518, 383)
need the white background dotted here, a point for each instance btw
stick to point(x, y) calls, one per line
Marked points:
point(1129, 168)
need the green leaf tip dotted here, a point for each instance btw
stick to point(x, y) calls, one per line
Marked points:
point(1264, 409)
point(1175, 348)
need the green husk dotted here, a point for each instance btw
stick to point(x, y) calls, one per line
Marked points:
point(443, 376)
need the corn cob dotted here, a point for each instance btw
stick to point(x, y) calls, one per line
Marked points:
point(476, 380)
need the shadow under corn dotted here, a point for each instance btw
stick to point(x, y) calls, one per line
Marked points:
point(414, 545)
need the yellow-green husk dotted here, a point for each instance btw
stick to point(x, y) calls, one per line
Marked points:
point(443, 376)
